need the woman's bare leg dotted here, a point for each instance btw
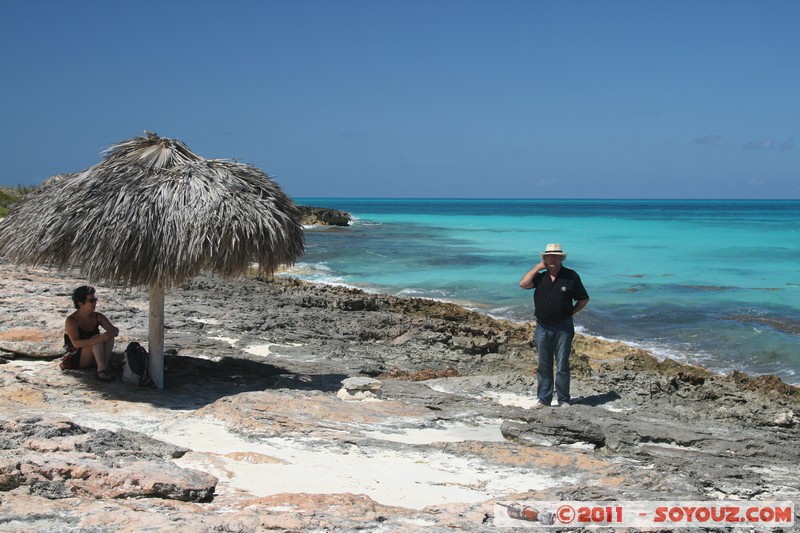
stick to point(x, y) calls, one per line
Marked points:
point(87, 358)
point(97, 354)
point(102, 353)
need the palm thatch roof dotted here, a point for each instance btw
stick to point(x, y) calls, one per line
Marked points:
point(153, 212)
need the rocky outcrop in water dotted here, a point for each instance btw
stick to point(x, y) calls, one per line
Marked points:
point(323, 216)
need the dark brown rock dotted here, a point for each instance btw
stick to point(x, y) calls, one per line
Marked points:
point(323, 216)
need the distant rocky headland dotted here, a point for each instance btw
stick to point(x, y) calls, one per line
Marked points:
point(323, 216)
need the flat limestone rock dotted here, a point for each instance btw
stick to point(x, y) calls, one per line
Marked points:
point(361, 388)
point(55, 458)
point(362, 383)
point(251, 433)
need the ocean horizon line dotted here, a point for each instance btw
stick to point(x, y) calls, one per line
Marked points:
point(518, 199)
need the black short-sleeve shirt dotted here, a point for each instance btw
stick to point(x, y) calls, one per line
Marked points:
point(554, 301)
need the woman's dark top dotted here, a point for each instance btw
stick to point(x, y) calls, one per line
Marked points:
point(83, 334)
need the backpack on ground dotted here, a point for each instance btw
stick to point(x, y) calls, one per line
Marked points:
point(135, 366)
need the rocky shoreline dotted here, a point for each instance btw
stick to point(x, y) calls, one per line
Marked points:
point(250, 433)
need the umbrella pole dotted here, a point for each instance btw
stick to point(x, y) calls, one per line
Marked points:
point(156, 335)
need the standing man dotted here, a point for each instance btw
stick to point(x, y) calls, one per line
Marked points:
point(558, 295)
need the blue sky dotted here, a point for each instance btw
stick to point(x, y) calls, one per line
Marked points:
point(412, 98)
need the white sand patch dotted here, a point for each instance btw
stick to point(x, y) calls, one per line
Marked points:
point(228, 340)
point(583, 446)
point(214, 358)
point(511, 400)
point(124, 415)
point(210, 321)
point(31, 364)
point(507, 399)
point(263, 350)
point(412, 479)
point(280, 508)
point(446, 432)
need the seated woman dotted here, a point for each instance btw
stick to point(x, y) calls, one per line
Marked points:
point(83, 338)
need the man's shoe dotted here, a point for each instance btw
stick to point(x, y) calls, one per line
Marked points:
point(538, 405)
point(563, 404)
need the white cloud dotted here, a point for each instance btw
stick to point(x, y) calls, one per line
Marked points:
point(763, 144)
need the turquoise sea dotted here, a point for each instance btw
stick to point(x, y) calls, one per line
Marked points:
point(715, 283)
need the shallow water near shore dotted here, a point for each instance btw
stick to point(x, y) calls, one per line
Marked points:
point(714, 283)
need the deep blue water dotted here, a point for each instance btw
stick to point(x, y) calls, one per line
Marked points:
point(710, 282)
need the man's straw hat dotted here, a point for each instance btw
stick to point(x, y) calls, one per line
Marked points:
point(554, 249)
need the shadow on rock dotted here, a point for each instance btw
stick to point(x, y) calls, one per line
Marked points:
point(191, 383)
point(597, 399)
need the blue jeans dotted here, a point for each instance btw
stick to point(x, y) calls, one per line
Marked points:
point(553, 342)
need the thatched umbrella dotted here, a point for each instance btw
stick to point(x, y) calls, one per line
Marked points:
point(153, 214)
